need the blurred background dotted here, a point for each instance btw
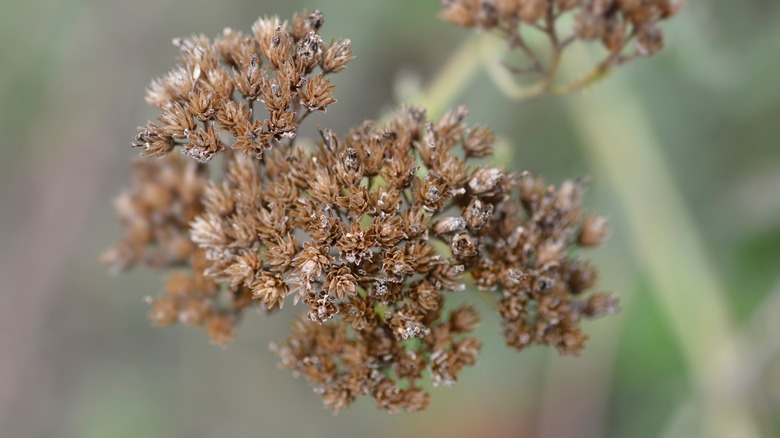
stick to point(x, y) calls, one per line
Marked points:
point(683, 154)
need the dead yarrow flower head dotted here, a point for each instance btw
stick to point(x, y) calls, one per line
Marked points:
point(243, 92)
point(370, 232)
point(627, 29)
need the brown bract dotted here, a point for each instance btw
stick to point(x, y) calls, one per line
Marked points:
point(370, 233)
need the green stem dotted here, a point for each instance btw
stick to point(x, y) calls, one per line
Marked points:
point(454, 76)
point(590, 78)
point(507, 83)
point(622, 147)
point(452, 79)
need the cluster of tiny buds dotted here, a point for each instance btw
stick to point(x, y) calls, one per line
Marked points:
point(370, 232)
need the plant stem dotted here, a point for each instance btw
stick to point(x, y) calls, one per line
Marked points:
point(762, 347)
point(507, 83)
point(622, 147)
point(456, 74)
point(598, 73)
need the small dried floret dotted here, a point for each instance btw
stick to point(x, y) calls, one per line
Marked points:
point(449, 225)
point(594, 230)
point(601, 305)
point(271, 289)
point(336, 56)
point(310, 262)
point(478, 214)
point(649, 39)
point(203, 144)
point(317, 95)
point(221, 329)
point(340, 283)
point(309, 50)
point(153, 141)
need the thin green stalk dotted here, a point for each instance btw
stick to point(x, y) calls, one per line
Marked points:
point(507, 82)
point(761, 348)
point(622, 147)
point(454, 76)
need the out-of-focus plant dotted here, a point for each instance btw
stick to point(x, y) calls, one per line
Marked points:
point(627, 29)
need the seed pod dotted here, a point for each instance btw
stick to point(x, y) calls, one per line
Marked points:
point(581, 277)
point(532, 10)
point(463, 247)
point(644, 13)
point(649, 39)
point(601, 305)
point(487, 17)
point(507, 8)
point(629, 5)
point(478, 214)
point(565, 5)
point(449, 225)
point(336, 56)
point(589, 26)
point(600, 7)
point(457, 13)
point(309, 49)
point(594, 231)
point(315, 20)
point(464, 319)
point(614, 37)
point(487, 182)
point(669, 8)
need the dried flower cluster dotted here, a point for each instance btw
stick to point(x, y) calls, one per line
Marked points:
point(615, 23)
point(166, 196)
point(209, 102)
point(370, 232)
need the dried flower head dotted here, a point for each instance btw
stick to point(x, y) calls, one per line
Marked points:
point(627, 29)
point(243, 92)
point(370, 232)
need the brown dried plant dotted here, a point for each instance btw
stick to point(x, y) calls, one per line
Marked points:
point(627, 29)
point(370, 232)
point(211, 101)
